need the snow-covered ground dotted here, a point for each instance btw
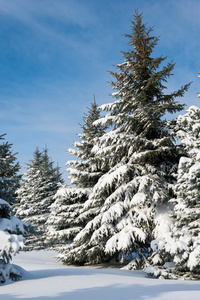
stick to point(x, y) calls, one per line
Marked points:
point(45, 278)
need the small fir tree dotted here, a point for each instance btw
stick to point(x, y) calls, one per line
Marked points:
point(35, 196)
point(11, 228)
point(180, 244)
point(67, 215)
point(86, 171)
point(139, 153)
point(10, 173)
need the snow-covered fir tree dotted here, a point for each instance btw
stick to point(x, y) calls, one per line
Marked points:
point(66, 218)
point(9, 172)
point(36, 194)
point(86, 171)
point(11, 228)
point(139, 153)
point(179, 242)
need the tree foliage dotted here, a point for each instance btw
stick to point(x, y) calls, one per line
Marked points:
point(139, 153)
point(180, 243)
point(11, 228)
point(36, 194)
point(67, 215)
point(9, 172)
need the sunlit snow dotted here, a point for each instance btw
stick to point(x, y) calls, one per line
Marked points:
point(44, 278)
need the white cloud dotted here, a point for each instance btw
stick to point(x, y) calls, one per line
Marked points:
point(33, 12)
point(51, 21)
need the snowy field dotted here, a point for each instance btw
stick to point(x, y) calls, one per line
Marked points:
point(45, 278)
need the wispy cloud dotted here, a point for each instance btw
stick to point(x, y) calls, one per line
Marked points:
point(53, 24)
point(37, 12)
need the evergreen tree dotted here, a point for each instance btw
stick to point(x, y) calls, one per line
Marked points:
point(11, 228)
point(64, 222)
point(36, 194)
point(9, 173)
point(139, 153)
point(67, 217)
point(180, 244)
point(85, 172)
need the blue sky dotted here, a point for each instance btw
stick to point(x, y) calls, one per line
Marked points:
point(55, 54)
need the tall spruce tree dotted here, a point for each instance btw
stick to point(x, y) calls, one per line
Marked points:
point(67, 216)
point(36, 194)
point(180, 244)
point(11, 228)
point(139, 152)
